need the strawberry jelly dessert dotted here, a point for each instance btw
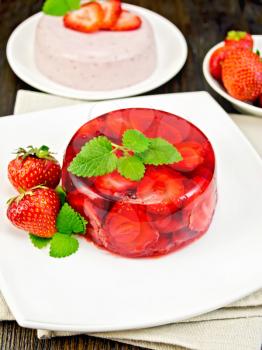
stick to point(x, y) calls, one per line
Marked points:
point(170, 207)
point(104, 60)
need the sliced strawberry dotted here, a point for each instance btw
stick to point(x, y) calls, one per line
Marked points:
point(112, 10)
point(163, 245)
point(116, 123)
point(193, 156)
point(128, 231)
point(181, 236)
point(161, 189)
point(127, 21)
point(91, 212)
point(142, 119)
point(87, 19)
point(114, 185)
point(169, 223)
point(202, 213)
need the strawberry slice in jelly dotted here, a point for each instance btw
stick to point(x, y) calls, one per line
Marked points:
point(161, 190)
point(193, 155)
point(202, 212)
point(93, 214)
point(114, 185)
point(169, 223)
point(115, 125)
point(128, 231)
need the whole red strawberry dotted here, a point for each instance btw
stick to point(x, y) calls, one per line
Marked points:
point(35, 211)
point(238, 39)
point(242, 74)
point(216, 60)
point(33, 167)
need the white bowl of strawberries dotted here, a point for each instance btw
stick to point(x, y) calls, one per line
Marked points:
point(233, 68)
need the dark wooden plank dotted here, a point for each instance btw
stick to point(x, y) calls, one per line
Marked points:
point(203, 23)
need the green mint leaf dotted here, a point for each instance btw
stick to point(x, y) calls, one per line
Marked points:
point(60, 7)
point(131, 167)
point(39, 242)
point(62, 245)
point(135, 141)
point(61, 193)
point(95, 158)
point(69, 221)
point(160, 152)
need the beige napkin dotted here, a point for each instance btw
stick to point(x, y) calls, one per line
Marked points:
point(235, 327)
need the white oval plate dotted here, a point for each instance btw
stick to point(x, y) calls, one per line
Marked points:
point(94, 290)
point(241, 106)
point(171, 51)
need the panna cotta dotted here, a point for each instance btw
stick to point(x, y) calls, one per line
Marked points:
point(104, 60)
point(170, 207)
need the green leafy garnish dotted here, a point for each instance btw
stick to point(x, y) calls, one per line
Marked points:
point(63, 245)
point(96, 158)
point(60, 7)
point(161, 152)
point(131, 167)
point(135, 141)
point(39, 242)
point(61, 193)
point(69, 221)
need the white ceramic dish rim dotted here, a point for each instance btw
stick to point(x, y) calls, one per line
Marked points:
point(218, 88)
point(133, 90)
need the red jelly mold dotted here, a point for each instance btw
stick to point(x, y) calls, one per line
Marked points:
point(169, 208)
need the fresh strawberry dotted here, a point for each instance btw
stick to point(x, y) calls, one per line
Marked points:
point(112, 10)
point(193, 155)
point(33, 167)
point(88, 19)
point(127, 21)
point(242, 74)
point(161, 189)
point(216, 60)
point(114, 185)
point(128, 230)
point(35, 211)
point(237, 39)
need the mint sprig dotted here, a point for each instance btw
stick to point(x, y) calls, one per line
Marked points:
point(98, 156)
point(39, 242)
point(160, 152)
point(63, 244)
point(60, 7)
point(69, 221)
point(131, 167)
point(135, 141)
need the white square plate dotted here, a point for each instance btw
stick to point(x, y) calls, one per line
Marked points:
point(96, 291)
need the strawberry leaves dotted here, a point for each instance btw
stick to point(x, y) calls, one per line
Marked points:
point(63, 243)
point(60, 7)
point(98, 156)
